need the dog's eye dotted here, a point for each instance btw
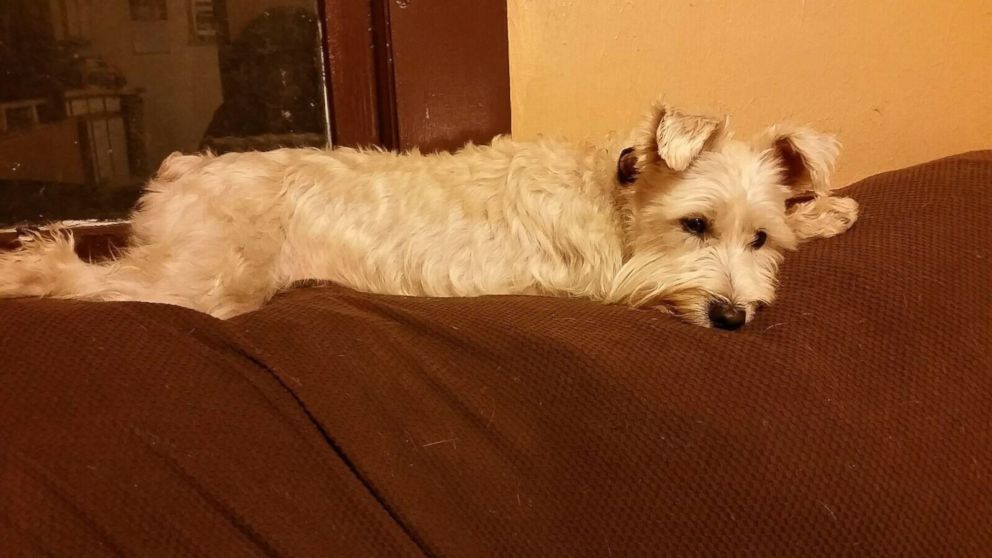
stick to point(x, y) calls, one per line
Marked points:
point(760, 238)
point(695, 225)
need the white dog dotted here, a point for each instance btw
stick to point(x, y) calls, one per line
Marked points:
point(688, 220)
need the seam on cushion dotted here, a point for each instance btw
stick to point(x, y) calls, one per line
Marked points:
point(257, 358)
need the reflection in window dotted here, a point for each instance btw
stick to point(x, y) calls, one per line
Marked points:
point(95, 93)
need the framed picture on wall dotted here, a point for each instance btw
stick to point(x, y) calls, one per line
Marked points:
point(205, 21)
point(149, 26)
point(148, 10)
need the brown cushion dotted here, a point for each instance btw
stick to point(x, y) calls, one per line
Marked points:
point(853, 417)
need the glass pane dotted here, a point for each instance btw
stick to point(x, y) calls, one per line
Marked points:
point(94, 94)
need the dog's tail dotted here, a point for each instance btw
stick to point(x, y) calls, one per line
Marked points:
point(46, 265)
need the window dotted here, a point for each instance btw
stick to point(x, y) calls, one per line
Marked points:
point(94, 94)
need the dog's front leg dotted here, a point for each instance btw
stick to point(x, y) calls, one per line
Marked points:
point(822, 217)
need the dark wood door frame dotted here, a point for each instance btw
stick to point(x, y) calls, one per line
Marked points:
point(431, 74)
point(350, 71)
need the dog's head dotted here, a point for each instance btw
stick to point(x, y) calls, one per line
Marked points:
point(707, 213)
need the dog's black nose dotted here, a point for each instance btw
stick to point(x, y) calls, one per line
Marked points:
point(725, 315)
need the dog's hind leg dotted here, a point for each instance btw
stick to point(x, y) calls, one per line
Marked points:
point(223, 283)
point(196, 242)
point(822, 217)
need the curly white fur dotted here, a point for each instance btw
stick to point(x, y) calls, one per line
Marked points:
point(223, 234)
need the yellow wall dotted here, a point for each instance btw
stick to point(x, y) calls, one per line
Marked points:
point(900, 82)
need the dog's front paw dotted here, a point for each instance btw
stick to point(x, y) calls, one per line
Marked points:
point(823, 217)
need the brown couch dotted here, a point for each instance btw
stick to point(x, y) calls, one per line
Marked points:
point(852, 418)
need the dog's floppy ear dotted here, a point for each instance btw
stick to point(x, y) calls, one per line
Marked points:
point(673, 137)
point(806, 157)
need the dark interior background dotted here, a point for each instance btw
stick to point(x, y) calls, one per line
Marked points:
point(93, 95)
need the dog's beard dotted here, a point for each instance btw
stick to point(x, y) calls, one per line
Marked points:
point(651, 282)
point(689, 304)
point(641, 281)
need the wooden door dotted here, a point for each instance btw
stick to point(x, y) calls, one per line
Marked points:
point(431, 74)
